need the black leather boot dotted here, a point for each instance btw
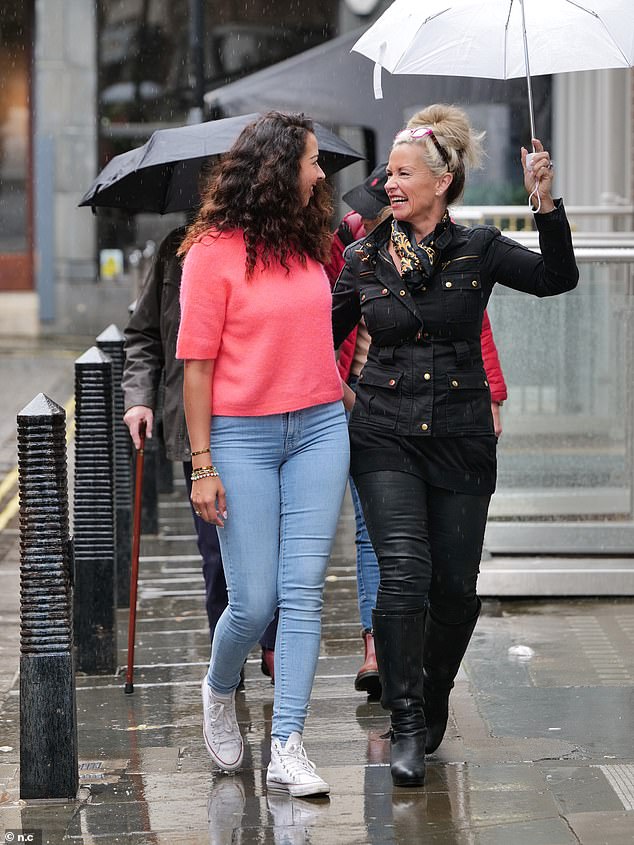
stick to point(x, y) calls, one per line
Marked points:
point(444, 649)
point(398, 639)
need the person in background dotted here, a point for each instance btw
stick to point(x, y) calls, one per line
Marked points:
point(423, 445)
point(370, 206)
point(150, 349)
point(265, 418)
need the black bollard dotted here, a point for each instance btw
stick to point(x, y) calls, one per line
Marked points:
point(94, 516)
point(48, 713)
point(111, 342)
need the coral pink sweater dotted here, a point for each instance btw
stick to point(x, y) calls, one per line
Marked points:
point(270, 335)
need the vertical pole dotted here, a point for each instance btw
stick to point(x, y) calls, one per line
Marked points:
point(48, 713)
point(197, 59)
point(111, 341)
point(528, 74)
point(45, 226)
point(94, 516)
point(134, 573)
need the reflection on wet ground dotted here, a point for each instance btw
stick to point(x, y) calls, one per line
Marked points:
point(539, 749)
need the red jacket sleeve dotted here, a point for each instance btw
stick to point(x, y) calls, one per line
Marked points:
point(492, 365)
point(349, 230)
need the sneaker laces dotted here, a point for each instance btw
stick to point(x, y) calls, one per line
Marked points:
point(221, 723)
point(295, 760)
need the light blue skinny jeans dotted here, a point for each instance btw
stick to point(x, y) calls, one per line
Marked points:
point(284, 476)
point(368, 576)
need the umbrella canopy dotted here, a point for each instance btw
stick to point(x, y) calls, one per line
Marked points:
point(501, 39)
point(162, 175)
point(331, 84)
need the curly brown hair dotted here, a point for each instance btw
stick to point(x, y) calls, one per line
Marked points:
point(256, 188)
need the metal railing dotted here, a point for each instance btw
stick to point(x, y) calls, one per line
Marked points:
point(515, 218)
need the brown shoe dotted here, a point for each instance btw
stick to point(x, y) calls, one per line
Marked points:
point(367, 679)
point(267, 664)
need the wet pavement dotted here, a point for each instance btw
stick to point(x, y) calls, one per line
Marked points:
point(539, 748)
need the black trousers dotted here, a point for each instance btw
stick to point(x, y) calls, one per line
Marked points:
point(428, 542)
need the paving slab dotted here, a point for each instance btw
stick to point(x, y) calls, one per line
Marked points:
point(538, 751)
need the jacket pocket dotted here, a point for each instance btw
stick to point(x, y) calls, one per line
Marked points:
point(468, 402)
point(461, 296)
point(377, 308)
point(378, 396)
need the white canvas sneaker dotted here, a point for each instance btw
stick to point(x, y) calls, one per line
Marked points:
point(291, 771)
point(220, 729)
point(293, 818)
point(225, 809)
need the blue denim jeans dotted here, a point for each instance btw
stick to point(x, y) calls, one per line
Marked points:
point(367, 565)
point(213, 573)
point(284, 476)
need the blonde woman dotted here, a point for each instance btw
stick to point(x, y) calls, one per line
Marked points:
point(423, 447)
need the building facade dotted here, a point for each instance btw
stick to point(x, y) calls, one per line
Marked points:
point(16, 155)
point(81, 81)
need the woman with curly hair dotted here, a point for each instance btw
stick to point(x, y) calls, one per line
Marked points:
point(263, 396)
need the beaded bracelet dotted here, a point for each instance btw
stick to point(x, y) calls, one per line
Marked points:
point(205, 472)
point(200, 452)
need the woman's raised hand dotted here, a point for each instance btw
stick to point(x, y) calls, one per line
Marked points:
point(538, 176)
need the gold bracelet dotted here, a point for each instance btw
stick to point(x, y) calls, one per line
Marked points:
point(200, 452)
point(205, 472)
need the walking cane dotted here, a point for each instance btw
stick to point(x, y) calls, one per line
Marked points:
point(134, 574)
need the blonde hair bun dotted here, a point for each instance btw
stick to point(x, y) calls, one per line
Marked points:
point(453, 130)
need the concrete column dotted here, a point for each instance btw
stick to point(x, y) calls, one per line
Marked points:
point(593, 131)
point(632, 133)
point(65, 121)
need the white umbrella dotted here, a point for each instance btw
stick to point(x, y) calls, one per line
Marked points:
point(500, 39)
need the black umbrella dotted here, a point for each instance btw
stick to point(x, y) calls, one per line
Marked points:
point(162, 175)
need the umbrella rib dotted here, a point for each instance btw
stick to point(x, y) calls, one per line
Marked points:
point(602, 22)
point(583, 8)
point(506, 32)
point(427, 20)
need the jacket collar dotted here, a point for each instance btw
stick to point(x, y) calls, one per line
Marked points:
point(373, 252)
point(375, 248)
point(452, 235)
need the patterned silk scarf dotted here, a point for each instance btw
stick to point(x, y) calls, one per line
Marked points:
point(417, 259)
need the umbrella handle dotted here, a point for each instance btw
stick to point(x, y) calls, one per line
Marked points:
point(136, 542)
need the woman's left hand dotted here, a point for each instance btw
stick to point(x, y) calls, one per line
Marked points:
point(497, 418)
point(210, 500)
point(541, 171)
point(349, 397)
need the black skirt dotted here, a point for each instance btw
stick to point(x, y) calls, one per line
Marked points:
point(463, 464)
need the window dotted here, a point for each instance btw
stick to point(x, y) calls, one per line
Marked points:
point(145, 67)
point(15, 76)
